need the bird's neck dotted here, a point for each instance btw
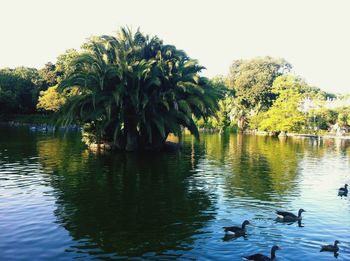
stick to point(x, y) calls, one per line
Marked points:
point(243, 226)
point(273, 254)
point(299, 214)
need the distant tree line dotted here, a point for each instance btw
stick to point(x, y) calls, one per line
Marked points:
point(132, 90)
point(23, 89)
point(263, 95)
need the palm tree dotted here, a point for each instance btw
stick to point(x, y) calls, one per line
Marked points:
point(134, 90)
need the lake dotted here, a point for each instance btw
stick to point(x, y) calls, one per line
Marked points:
point(58, 201)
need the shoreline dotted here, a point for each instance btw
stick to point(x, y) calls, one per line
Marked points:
point(299, 135)
point(314, 136)
point(37, 122)
point(40, 127)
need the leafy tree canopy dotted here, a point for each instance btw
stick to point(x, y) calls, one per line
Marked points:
point(18, 89)
point(285, 113)
point(134, 90)
point(343, 118)
point(51, 100)
point(49, 75)
point(63, 61)
point(223, 117)
point(252, 80)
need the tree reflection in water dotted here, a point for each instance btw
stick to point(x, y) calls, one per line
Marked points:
point(261, 167)
point(168, 206)
point(126, 204)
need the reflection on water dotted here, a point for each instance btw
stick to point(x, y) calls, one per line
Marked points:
point(58, 201)
point(131, 205)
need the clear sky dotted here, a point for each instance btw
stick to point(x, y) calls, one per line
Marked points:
point(313, 35)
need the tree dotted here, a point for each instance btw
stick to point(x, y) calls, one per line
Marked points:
point(325, 118)
point(51, 100)
point(49, 75)
point(222, 118)
point(252, 80)
point(134, 90)
point(63, 61)
point(19, 89)
point(343, 119)
point(285, 113)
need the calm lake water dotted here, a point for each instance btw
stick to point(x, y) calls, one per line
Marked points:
point(60, 202)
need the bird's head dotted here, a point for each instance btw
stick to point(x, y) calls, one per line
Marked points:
point(274, 248)
point(246, 222)
point(336, 242)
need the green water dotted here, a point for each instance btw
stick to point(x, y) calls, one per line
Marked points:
point(58, 201)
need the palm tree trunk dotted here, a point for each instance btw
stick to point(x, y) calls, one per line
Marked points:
point(158, 142)
point(131, 134)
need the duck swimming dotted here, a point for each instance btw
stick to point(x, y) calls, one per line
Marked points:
point(261, 257)
point(236, 231)
point(343, 191)
point(331, 248)
point(288, 216)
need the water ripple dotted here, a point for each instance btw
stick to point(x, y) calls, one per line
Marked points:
point(60, 202)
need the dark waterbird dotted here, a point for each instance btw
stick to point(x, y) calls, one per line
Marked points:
point(343, 191)
point(261, 257)
point(236, 231)
point(288, 216)
point(331, 248)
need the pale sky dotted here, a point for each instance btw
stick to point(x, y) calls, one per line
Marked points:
point(313, 35)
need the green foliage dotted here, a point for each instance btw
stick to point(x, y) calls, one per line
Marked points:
point(325, 118)
point(51, 100)
point(62, 65)
point(288, 113)
point(285, 114)
point(49, 74)
point(19, 89)
point(52, 74)
point(343, 118)
point(135, 90)
point(223, 114)
point(223, 118)
point(252, 80)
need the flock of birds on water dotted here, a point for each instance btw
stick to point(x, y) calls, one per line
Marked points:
point(283, 216)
